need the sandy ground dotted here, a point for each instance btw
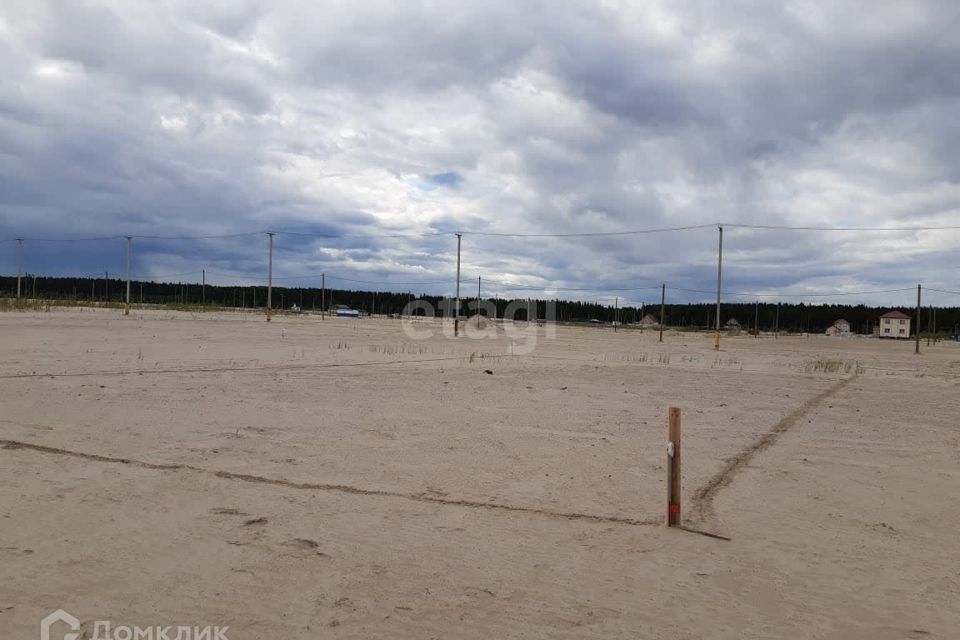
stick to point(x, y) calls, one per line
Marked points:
point(340, 479)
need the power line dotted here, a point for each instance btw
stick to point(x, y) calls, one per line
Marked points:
point(235, 275)
point(587, 234)
point(168, 275)
point(547, 287)
point(333, 236)
point(306, 276)
point(776, 227)
point(89, 239)
point(135, 237)
point(787, 294)
point(336, 277)
point(201, 237)
point(595, 234)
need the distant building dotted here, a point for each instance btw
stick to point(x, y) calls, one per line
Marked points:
point(839, 328)
point(895, 324)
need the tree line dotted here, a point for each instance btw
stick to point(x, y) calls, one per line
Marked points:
point(792, 317)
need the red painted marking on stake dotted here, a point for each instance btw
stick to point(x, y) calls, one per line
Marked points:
point(674, 507)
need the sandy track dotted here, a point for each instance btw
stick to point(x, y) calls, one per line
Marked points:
point(341, 480)
point(703, 496)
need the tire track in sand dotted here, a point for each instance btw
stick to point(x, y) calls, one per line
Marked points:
point(339, 488)
point(703, 497)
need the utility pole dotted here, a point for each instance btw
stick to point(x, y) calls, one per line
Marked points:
point(663, 301)
point(716, 336)
point(106, 286)
point(456, 320)
point(756, 319)
point(270, 276)
point(323, 295)
point(203, 288)
point(126, 310)
point(776, 324)
point(616, 312)
point(478, 301)
point(19, 264)
point(917, 345)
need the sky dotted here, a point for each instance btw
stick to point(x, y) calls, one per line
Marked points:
point(367, 133)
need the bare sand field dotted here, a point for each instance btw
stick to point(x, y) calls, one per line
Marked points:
point(341, 479)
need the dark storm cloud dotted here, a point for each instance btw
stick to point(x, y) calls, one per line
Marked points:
point(384, 118)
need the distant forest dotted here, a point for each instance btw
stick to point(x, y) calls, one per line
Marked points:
point(798, 317)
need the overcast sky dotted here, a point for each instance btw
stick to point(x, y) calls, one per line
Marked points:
point(378, 118)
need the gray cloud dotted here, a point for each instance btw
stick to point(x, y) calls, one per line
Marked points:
point(385, 118)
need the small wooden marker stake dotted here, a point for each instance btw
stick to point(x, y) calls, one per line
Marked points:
point(673, 467)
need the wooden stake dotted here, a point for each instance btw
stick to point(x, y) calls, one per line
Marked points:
point(673, 467)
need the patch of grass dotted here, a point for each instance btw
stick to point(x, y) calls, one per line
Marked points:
point(831, 366)
point(46, 304)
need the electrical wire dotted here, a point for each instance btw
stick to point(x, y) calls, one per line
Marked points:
point(90, 239)
point(426, 234)
point(790, 295)
point(161, 276)
point(547, 287)
point(776, 227)
point(595, 234)
point(329, 276)
point(202, 237)
point(336, 277)
point(586, 234)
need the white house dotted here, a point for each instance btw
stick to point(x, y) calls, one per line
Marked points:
point(895, 324)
